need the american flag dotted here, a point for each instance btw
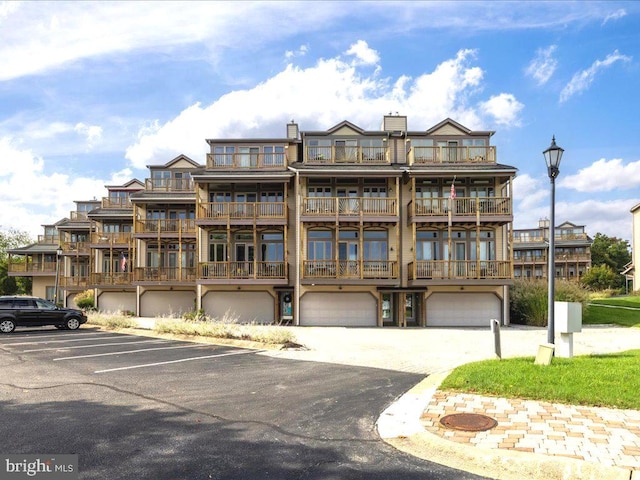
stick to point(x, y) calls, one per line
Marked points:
point(453, 191)
point(123, 263)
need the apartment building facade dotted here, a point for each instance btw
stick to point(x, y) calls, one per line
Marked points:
point(344, 226)
point(572, 251)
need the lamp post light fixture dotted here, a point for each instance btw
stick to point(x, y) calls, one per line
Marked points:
point(55, 292)
point(552, 156)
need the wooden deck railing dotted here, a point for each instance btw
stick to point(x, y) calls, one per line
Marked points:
point(111, 238)
point(242, 270)
point(74, 281)
point(53, 239)
point(242, 210)
point(246, 160)
point(461, 206)
point(438, 155)
point(459, 269)
point(340, 154)
point(350, 269)
point(75, 247)
point(116, 202)
point(114, 278)
point(32, 267)
point(169, 184)
point(165, 226)
point(165, 274)
point(365, 206)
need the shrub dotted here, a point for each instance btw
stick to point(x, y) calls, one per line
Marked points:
point(600, 277)
point(194, 316)
point(112, 321)
point(529, 299)
point(84, 300)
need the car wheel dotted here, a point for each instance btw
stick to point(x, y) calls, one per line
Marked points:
point(72, 323)
point(7, 326)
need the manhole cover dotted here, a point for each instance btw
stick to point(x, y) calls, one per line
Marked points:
point(468, 422)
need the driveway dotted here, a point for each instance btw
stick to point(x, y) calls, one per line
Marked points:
point(138, 407)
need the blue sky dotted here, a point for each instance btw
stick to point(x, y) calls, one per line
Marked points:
point(91, 93)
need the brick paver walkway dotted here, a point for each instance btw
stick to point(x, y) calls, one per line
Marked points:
point(603, 435)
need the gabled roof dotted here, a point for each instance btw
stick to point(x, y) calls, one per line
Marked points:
point(130, 185)
point(635, 207)
point(458, 126)
point(179, 158)
point(335, 128)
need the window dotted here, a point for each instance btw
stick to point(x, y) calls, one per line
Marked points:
point(375, 245)
point(319, 245)
point(273, 156)
point(487, 246)
point(426, 245)
point(272, 248)
point(223, 156)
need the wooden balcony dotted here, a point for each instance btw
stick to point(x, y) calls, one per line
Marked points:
point(542, 239)
point(242, 270)
point(53, 239)
point(462, 209)
point(459, 269)
point(116, 202)
point(165, 274)
point(111, 279)
point(169, 184)
point(71, 248)
point(78, 215)
point(350, 269)
point(32, 268)
point(242, 161)
point(343, 154)
point(164, 226)
point(74, 281)
point(250, 211)
point(109, 239)
point(357, 207)
point(451, 155)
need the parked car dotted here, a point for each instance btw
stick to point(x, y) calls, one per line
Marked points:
point(18, 311)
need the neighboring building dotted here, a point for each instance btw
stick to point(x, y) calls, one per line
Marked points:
point(572, 251)
point(632, 271)
point(343, 226)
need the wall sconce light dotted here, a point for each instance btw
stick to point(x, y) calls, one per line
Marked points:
point(391, 249)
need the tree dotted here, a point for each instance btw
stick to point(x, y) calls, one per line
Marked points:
point(12, 285)
point(612, 252)
point(600, 277)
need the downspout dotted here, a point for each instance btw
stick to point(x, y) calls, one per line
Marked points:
point(296, 285)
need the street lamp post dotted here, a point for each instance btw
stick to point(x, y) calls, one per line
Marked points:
point(552, 156)
point(55, 292)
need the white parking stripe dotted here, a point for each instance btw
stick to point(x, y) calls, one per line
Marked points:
point(53, 334)
point(129, 351)
point(63, 341)
point(241, 352)
point(90, 346)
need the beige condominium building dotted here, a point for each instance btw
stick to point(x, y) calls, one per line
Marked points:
point(632, 272)
point(531, 248)
point(343, 226)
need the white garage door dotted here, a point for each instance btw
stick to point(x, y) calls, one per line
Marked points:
point(462, 309)
point(339, 309)
point(117, 302)
point(243, 306)
point(174, 303)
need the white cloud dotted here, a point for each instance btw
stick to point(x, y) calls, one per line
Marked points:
point(504, 108)
point(319, 97)
point(582, 80)
point(364, 55)
point(300, 52)
point(610, 217)
point(92, 133)
point(618, 14)
point(604, 176)
point(543, 65)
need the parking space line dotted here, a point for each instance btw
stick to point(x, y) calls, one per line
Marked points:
point(62, 341)
point(241, 352)
point(17, 336)
point(129, 351)
point(90, 346)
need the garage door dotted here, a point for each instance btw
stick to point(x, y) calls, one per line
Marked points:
point(117, 302)
point(243, 306)
point(343, 309)
point(163, 304)
point(462, 309)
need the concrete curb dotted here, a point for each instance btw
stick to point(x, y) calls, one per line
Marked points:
point(399, 425)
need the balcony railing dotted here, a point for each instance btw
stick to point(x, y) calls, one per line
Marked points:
point(116, 202)
point(340, 154)
point(75, 247)
point(110, 238)
point(74, 281)
point(78, 215)
point(242, 210)
point(365, 206)
point(438, 155)
point(461, 206)
point(54, 239)
point(115, 278)
point(543, 239)
point(169, 184)
point(165, 274)
point(32, 267)
point(459, 269)
point(165, 226)
point(246, 160)
point(350, 269)
point(242, 270)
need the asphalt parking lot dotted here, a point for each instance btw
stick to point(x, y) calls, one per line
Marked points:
point(141, 407)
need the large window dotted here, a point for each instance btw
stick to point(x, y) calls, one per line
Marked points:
point(223, 156)
point(217, 247)
point(319, 245)
point(273, 155)
point(487, 246)
point(375, 245)
point(272, 247)
point(426, 245)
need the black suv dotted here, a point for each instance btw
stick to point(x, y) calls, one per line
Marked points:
point(35, 312)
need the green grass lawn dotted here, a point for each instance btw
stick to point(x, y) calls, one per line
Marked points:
point(596, 314)
point(598, 380)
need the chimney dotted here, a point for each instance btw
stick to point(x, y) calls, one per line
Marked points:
point(293, 131)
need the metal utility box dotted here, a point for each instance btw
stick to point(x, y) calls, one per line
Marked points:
point(568, 317)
